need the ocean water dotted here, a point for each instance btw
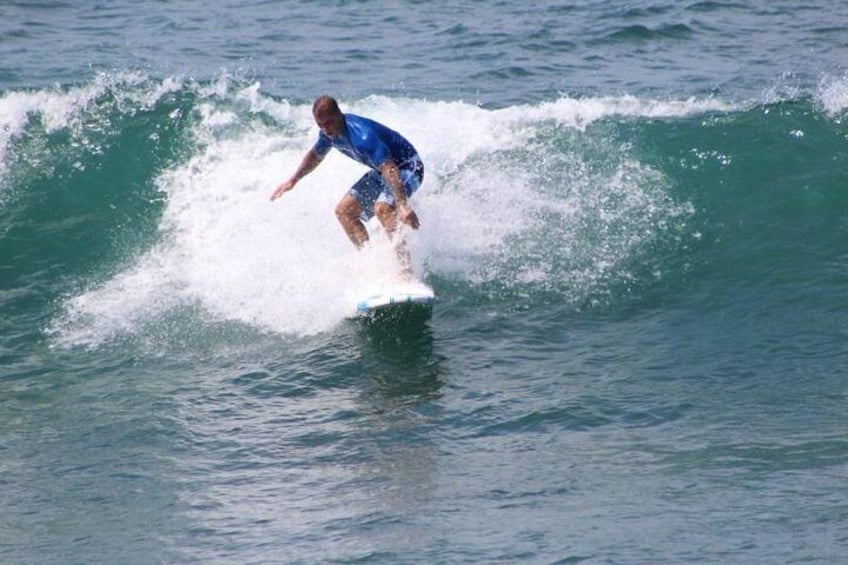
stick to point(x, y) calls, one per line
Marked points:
point(633, 216)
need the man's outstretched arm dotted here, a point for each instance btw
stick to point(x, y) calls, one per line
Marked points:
point(307, 165)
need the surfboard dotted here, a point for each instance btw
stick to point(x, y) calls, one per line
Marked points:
point(395, 294)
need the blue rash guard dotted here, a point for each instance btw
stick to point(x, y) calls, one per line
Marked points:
point(371, 143)
point(368, 142)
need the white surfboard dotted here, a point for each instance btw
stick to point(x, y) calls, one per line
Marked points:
point(394, 294)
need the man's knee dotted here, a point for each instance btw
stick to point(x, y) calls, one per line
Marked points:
point(348, 209)
point(387, 216)
point(384, 211)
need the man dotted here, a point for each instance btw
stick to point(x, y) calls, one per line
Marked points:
point(396, 172)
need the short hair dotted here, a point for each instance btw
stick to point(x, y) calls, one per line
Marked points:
point(324, 103)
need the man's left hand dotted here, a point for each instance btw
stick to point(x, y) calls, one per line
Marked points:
point(409, 217)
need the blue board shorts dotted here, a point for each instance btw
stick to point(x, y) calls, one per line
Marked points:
point(373, 188)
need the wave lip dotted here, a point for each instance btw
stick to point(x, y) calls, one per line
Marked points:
point(77, 109)
point(581, 112)
point(832, 95)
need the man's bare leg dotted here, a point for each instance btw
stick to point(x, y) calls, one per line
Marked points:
point(348, 211)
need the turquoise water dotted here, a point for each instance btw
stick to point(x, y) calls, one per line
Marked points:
point(633, 219)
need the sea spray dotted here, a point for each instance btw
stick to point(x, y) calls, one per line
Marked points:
point(516, 201)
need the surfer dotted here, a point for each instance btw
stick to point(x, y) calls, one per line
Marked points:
point(396, 172)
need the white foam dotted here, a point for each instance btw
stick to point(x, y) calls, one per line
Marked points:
point(287, 266)
point(832, 95)
point(282, 266)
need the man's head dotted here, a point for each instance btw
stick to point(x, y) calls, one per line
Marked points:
point(327, 115)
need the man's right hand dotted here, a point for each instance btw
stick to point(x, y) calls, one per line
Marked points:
point(408, 216)
point(283, 188)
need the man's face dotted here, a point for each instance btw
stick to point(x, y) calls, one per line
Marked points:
point(331, 123)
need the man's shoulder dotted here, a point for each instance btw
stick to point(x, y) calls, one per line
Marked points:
point(362, 130)
point(362, 123)
point(356, 118)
